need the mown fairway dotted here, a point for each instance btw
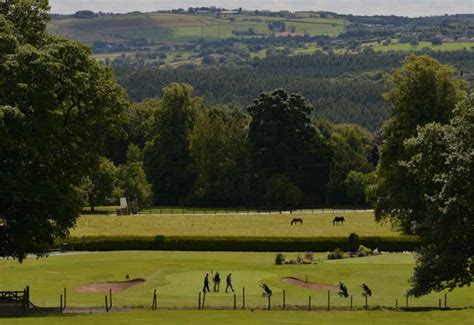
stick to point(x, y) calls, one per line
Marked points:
point(258, 317)
point(180, 27)
point(178, 276)
point(258, 225)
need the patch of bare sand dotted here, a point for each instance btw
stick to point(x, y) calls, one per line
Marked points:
point(106, 286)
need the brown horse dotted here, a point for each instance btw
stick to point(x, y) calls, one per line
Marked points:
point(296, 220)
point(338, 221)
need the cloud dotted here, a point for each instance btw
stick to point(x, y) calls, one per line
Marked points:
point(358, 7)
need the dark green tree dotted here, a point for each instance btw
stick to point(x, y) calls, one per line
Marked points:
point(357, 186)
point(57, 105)
point(168, 164)
point(281, 192)
point(442, 163)
point(280, 135)
point(421, 92)
point(219, 149)
point(132, 178)
point(103, 184)
point(138, 125)
point(350, 151)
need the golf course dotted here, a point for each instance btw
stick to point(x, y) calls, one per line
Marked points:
point(178, 279)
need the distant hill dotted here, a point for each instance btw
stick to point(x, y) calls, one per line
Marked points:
point(88, 27)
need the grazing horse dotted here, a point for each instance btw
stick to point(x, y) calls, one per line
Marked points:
point(338, 220)
point(296, 220)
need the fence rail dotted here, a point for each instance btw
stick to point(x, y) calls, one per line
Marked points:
point(237, 301)
point(239, 210)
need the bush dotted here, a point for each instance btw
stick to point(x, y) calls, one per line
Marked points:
point(279, 259)
point(250, 244)
point(337, 254)
point(280, 191)
point(353, 241)
point(363, 251)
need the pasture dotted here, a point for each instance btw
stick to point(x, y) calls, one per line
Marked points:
point(221, 224)
point(169, 27)
point(406, 47)
point(178, 278)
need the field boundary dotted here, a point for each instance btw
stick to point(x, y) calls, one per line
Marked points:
point(239, 244)
point(235, 210)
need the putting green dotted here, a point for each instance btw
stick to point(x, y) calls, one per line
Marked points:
point(188, 283)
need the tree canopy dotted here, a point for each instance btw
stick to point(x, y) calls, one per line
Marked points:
point(421, 92)
point(167, 159)
point(57, 105)
point(442, 163)
point(221, 158)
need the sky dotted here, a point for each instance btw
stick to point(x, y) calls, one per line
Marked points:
point(411, 8)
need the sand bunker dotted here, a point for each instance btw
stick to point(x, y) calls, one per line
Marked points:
point(106, 286)
point(308, 285)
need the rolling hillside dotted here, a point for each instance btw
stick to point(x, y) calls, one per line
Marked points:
point(172, 27)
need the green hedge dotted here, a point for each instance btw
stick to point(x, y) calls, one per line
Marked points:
point(251, 244)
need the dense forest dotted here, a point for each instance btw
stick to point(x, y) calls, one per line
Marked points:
point(342, 88)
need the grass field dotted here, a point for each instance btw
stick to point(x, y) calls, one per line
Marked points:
point(179, 27)
point(455, 46)
point(258, 225)
point(177, 276)
point(258, 317)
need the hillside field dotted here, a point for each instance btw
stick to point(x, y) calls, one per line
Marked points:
point(169, 27)
point(252, 225)
point(406, 47)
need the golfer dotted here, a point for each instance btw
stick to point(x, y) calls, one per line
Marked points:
point(206, 284)
point(229, 282)
point(217, 281)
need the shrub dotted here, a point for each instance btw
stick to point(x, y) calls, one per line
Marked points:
point(337, 254)
point(363, 251)
point(353, 241)
point(308, 256)
point(279, 259)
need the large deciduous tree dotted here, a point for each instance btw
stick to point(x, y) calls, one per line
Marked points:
point(421, 92)
point(132, 178)
point(442, 163)
point(350, 152)
point(218, 147)
point(138, 123)
point(57, 104)
point(168, 164)
point(281, 136)
point(102, 188)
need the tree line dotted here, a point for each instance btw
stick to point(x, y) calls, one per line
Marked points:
point(273, 153)
point(342, 88)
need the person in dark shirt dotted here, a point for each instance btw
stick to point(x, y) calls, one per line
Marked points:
point(229, 283)
point(343, 290)
point(217, 281)
point(267, 292)
point(206, 284)
point(367, 291)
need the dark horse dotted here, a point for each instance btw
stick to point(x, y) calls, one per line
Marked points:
point(296, 220)
point(338, 220)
